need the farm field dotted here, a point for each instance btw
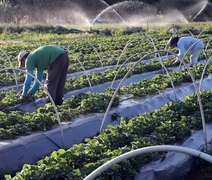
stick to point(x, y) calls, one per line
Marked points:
point(98, 62)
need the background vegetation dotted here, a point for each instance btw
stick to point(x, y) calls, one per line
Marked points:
point(18, 11)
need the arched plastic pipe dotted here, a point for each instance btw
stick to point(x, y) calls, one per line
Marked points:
point(131, 41)
point(149, 149)
point(128, 42)
point(164, 67)
point(96, 53)
point(123, 65)
point(200, 33)
point(46, 91)
point(206, 48)
point(197, 90)
point(203, 72)
point(194, 83)
point(82, 69)
point(119, 85)
point(206, 64)
point(14, 73)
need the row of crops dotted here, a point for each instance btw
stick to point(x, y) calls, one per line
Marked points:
point(168, 125)
point(18, 123)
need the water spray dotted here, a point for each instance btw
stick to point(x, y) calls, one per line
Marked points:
point(105, 10)
point(96, 53)
point(203, 7)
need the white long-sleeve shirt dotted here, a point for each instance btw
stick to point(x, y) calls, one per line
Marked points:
point(188, 45)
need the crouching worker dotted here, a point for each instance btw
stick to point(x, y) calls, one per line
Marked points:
point(187, 46)
point(52, 58)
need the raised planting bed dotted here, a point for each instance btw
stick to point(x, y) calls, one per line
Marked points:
point(91, 123)
point(168, 125)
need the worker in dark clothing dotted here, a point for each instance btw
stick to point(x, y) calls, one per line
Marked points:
point(52, 58)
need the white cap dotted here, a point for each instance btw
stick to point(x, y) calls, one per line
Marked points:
point(20, 56)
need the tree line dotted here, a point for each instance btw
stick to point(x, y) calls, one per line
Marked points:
point(41, 10)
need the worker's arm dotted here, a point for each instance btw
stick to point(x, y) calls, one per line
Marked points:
point(27, 83)
point(181, 53)
point(39, 76)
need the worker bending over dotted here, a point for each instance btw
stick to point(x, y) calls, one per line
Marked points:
point(52, 58)
point(187, 46)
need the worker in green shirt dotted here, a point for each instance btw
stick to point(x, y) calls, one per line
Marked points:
point(52, 58)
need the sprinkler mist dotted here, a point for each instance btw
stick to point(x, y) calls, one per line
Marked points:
point(206, 64)
point(46, 91)
point(105, 10)
point(203, 4)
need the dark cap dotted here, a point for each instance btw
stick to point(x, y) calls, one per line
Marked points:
point(173, 41)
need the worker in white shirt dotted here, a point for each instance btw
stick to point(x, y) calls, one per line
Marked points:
point(187, 46)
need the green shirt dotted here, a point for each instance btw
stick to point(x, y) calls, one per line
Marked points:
point(42, 57)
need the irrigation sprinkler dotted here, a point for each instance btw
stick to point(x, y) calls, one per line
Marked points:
point(50, 97)
point(193, 80)
point(85, 72)
point(198, 13)
point(105, 10)
point(150, 149)
point(14, 73)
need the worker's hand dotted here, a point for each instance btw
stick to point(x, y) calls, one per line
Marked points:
point(174, 61)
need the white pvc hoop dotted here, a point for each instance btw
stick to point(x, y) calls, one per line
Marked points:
point(50, 97)
point(149, 149)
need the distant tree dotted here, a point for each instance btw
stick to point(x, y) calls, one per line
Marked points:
point(41, 10)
